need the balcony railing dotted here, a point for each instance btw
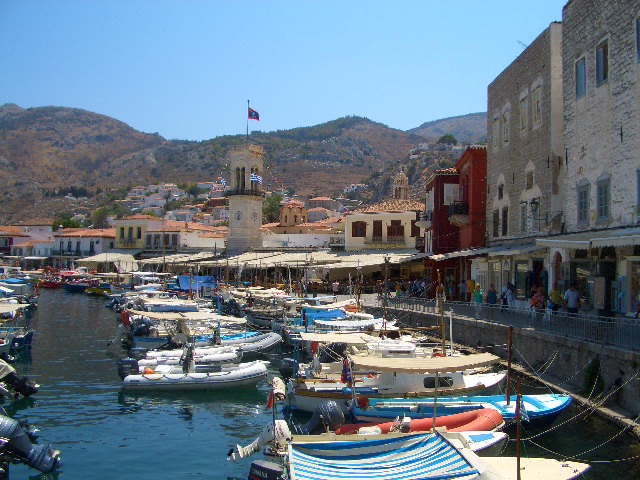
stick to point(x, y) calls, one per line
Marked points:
point(245, 191)
point(458, 208)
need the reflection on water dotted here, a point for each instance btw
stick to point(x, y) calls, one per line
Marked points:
point(104, 433)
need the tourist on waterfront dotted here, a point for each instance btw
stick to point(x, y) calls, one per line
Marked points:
point(471, 286)
point(462, 287)
point(508, 295)
point(572, 299)
point(477, 299)
point(538, 303)
point(492, 300)
point(335, 287)
point(555, 298)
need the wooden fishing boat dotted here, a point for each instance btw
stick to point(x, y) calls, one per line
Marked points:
point(538, 410)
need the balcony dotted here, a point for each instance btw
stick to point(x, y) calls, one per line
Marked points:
point(336, 243)
point(459, 214)
point(420, 244)
point(425, 219)
point(128, 242)
point(245, 191)
point(391, 239)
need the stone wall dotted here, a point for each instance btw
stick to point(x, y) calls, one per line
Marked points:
point(524, 140)
point(601, 128)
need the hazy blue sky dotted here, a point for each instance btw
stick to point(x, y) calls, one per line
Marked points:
point(185, 69)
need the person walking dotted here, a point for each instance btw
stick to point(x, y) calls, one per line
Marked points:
point(492, 301)
point(555, 298)
point(462, 287)
point(537, 303)
point(572, 299)
point(477, 299)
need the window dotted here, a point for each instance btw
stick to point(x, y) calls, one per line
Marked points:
point(500, 192)
point(130, 232)
point(523, 217)
point(415, 230)
point(395, 231)
point(604, 198)
point(359, 229)
point(505, 221)
point(536, 105)
point(148, 241)
point(583, 203)
point(522, 269)
point(443, 382)
point(377, 230)
point(429, 203)
point(496, 133)
point(602, 63)
point(505, 126)
point(581, 78)
point(450, 193)
point(139, 232)
point(638, 38)
point(524, 113)
point(496, 223)
point(529, 180)
point(121, 232)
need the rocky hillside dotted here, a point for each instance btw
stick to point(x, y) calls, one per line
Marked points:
point(46, 152)
point(469, 128)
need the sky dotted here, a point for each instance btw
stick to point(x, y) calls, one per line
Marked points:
point(186, 68)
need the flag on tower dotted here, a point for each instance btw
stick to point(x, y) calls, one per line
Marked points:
point(253, 115)
point(256, 178)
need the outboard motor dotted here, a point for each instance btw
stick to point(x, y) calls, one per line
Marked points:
point(286, 367)
point(18, 447)
point(266, 470)
point(277, 435)
point(327, 415)
point(23, 385)
point(128, 366)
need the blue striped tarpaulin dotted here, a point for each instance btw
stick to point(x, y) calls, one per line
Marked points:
point(415, 457)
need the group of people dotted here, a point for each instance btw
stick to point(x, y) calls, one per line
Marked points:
point(471, 292)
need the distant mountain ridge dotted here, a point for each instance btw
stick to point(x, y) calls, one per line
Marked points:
point(46, 151)
point(470, 128)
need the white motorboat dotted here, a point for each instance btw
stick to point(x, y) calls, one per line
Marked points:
point(219, 377)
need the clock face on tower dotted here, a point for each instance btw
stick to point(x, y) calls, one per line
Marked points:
point(254, 215)
point(238, 215)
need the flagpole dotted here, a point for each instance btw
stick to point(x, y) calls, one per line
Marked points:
point(248, 120)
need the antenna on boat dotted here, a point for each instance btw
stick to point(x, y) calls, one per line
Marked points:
point(508, 389)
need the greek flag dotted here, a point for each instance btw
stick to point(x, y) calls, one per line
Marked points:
point(223, 182)
point(256, 178)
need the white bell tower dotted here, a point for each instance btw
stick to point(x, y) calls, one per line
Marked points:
point(245, 199)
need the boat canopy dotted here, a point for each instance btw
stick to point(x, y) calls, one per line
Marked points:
point(11, 307)
point(189, 316)
point(425, 365)
point(337, 337)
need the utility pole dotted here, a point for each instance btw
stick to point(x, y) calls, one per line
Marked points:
point(441, 304)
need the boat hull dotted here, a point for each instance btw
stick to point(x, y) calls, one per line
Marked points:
point(245, 375)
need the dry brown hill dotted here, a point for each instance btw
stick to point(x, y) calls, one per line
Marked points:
point(470, 128)
point(46, 152)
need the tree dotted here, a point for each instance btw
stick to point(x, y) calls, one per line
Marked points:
point(448, 139)
point(99, 218)
point(271, 209)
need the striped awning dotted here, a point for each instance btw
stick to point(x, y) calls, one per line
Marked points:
point(418, 456)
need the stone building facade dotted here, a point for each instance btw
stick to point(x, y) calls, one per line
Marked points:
point(524, 157)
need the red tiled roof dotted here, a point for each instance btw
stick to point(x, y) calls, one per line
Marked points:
point(393, 205)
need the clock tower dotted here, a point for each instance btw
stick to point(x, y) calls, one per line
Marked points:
point(245, 199)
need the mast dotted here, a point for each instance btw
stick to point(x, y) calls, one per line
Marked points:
point(441, 305)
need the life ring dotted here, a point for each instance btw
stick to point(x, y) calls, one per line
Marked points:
point(437, 354)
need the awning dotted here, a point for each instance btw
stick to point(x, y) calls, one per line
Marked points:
point(337, 337)
point(464, 253)
point(35, 258)
point(572, 240)
point(516, 250)
point(124, 261)
point(425, 365)
point(617, 238)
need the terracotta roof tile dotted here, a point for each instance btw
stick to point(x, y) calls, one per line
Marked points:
point(393, 205)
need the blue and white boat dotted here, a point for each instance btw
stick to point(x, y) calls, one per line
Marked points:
point(538, 410)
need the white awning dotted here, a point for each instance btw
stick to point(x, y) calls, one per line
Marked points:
point(516, 250)
point(572, 240)
point(124, 261)
point(337, 337)
point(618, 238)
point(425, 365)
point(465, 253)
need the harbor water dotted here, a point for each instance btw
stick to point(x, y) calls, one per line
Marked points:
point(103, 433)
